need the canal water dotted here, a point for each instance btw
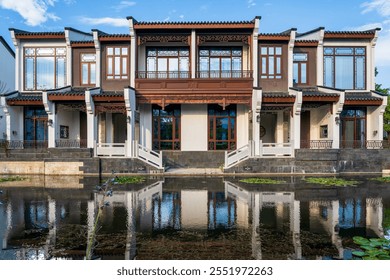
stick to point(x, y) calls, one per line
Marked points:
point(189, 218)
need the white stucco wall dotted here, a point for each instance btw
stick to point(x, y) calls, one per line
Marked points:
point(14, 127)
point(70, 119)
point(194, 209)
point(373, 124)
point(145, 111)
point(7, 70)
point(242, 125)
point(318, 117)
point(194, 127)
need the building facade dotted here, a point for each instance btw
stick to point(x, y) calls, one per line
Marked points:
point(7, 80)
point(195, 87)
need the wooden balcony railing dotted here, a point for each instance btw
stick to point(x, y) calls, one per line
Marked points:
point(163, 75)
point(231, 74)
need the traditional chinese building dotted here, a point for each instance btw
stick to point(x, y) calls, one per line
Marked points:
point(194, 88)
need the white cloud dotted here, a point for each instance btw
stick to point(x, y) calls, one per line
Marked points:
point(117, 22)
point(35, 12)
point(251, 3)
point(381, 6)
point(70, 2)
point(365, 27)
point(167, 19)
point(181, 16)
point(124, 4)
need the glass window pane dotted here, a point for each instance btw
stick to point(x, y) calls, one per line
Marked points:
point(214, 64)
point(360, 51)
point(232, 128)
point(271, 51)
point(124, 51)
point(29, 73)
point(173, 64)
point(184, 52)
point(204, 52)
point(263, 65)
point(328, 50)
point(300, 56)
point(278, 65)
point(151, 64)
point(162, 64)
point(124, 65)
point(328, 71)
point(110, 51)
point(117, 51)
point(93, 73)
point(303, 73)
point(236, 52)
point(264, 50)
point(109, 66)
point(29, 51)
point(343, 51)
point(151, 52)
point(61, 72)
point(45, 72)
point(88, 57)
point(184, 64)
point(344, 72)
point(45, 51)
point(204, 64)
point(61, 51)
point(278, 51)
point(84, 73)
point(236, 63)
point(360, 72)
point(295, 73)
point(271, 65)
point(117, 65)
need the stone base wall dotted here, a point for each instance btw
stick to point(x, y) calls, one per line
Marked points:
point(179, 159)
point(319, 161)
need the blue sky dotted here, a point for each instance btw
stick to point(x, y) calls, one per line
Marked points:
point(277, 15)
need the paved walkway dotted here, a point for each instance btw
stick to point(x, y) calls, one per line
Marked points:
point(193, 171)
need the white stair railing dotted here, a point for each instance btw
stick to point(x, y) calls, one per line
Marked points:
point(147, 155)
point(110, 149)
point(239, 155)
point(276, 149)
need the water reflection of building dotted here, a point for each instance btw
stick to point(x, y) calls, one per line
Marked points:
point(41, 218)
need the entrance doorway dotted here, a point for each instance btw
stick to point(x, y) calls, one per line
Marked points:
point(353, 128)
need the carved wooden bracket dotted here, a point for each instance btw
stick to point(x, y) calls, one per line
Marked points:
point(142, 39)
point(225, 38)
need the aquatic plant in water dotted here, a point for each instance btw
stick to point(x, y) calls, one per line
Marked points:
point(129, 179)
point(338, 182)
point(381, 179)
point(263, 181)
point(372, 249)
point(11, 179)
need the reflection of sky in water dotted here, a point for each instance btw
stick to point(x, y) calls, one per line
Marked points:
point(166, 212)
point(350, 213)
point(221, 211)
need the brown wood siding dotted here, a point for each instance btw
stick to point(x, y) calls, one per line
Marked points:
point(312, 64)
point(110, 85)
point(270, 85)
point(76, 64)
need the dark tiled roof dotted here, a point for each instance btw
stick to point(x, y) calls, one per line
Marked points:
point(23, 32)
point(306, 41)
point(26, 97)
point(7, 46)
point(72, 92)
point(372, 31)
point(108, 94)
point(361, 96)
point(115, 35)
point(274, 34)
point(315, 92)
point(82, 42)
point(277, 95)
point(193, 22)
